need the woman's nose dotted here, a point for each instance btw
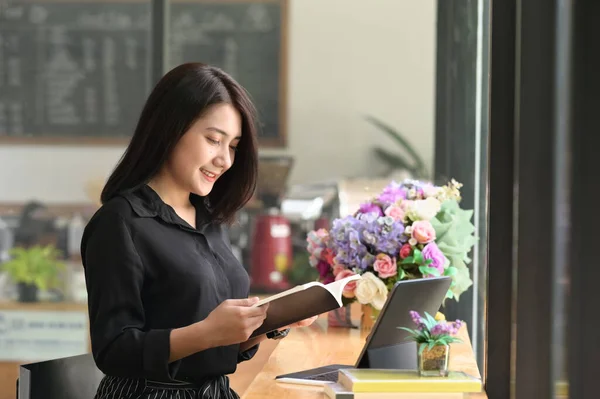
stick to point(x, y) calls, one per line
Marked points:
point(223, 160)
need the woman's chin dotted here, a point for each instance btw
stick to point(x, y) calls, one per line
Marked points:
point(203, 189)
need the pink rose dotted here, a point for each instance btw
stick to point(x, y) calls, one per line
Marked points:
point(337, 269)
point(351, 286)
point(322, 234)
point(395, 212)
point(385, 266)
point(405, 251)
point(423, 231)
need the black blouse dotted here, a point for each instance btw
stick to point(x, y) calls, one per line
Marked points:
point(148, 272)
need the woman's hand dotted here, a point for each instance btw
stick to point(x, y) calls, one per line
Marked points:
point(256, 340)
point(234, 320)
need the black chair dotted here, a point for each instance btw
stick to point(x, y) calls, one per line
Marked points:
point(74, 377)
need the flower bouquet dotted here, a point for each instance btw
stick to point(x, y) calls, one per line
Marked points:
point(433, 338)
point(410, 230)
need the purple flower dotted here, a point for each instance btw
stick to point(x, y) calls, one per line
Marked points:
point(367, 261)
point(357, 239)
point(432, 251)
point(455, 327)
point(346, 242)
point(369, 207)
point(444, 328)
point(383, 234)
point(416, 318)
point(392, 193)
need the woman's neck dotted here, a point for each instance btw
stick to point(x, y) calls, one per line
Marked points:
point(170, 192)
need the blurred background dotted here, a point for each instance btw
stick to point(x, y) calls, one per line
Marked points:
point(351, 94)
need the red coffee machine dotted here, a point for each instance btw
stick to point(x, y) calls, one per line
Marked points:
point(271, 243)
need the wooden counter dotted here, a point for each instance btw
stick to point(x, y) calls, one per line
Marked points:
point(302, 349)
point(52, 306)
point(317, 346)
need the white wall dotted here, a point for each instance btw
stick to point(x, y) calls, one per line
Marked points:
point(347, 58)
point(354, 57)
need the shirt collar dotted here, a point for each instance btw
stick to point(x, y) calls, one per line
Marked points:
point(146, 203)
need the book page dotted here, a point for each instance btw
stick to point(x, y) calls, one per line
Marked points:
point(287, 292)
point(337, 287)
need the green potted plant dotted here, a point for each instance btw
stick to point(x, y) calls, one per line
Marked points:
point(433, 338)
point(33, 269)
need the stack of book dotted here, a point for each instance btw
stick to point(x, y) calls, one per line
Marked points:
point(398, 384)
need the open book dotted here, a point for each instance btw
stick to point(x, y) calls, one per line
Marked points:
point(301, 302)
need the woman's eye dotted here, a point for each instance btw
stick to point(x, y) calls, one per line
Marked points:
point(213, 141)
point(233, 148)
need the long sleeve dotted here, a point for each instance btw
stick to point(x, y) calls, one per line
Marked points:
point(250, 352)
point(114, 277)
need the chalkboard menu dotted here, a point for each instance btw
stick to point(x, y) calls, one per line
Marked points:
point(81, 69)
point(72, 70)
point(244, 38)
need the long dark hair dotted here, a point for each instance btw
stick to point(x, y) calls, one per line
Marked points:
point(177, 101)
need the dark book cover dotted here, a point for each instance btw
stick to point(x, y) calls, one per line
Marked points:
point(301, 303)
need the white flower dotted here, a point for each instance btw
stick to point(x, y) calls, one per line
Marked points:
point(432, 191)
point(424, 209)
point(450, 191)
point(412, 241)
point(371, 290)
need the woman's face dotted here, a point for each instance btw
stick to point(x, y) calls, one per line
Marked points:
point(206, 150)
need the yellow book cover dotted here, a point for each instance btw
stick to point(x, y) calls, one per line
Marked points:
point(336, 391)
point(379, 380)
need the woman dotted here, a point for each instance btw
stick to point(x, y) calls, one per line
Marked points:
point(168, 306)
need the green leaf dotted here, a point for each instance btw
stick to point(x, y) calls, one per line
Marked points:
point(428, 262)
point(426, 333)
point(402, 274)
point(394, 160)
point(39, 265)
point(430, 319)
point(407, 329)
point(407, 260)
point(419, 164)
point(455, 236)
point(450, 271)
point(418, 256)
point(453, 339)
point(422, 348)
point(426, 270)
point(429, 323)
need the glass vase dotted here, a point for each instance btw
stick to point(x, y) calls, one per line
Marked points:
point(433, 362)
point(368, 318)
point(341, 317)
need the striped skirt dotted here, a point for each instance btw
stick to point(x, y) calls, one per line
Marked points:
point(132, 388)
